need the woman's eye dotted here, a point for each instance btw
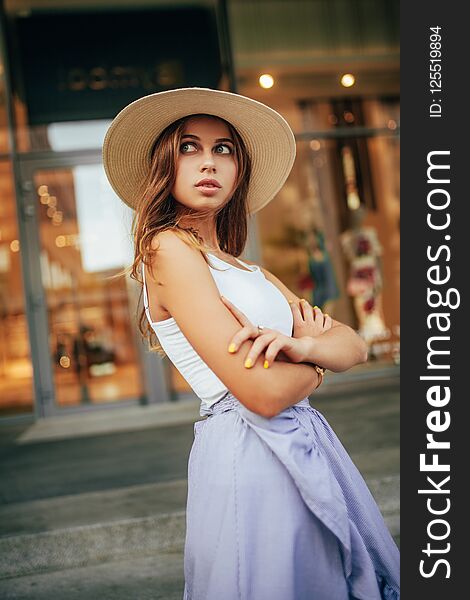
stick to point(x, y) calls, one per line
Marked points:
point(184, 146)
point(228, 148)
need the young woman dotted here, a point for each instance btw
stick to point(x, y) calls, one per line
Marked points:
point(276, 510)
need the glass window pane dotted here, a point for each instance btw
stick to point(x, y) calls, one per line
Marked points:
point(332, 233)
point(78, 135)
point(93, 341)
point(16, 373)
point(4, 144)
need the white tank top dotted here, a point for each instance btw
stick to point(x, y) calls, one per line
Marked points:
point(250, 291)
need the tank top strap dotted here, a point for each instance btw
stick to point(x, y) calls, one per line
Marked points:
point(244, 264)
point(251, 268)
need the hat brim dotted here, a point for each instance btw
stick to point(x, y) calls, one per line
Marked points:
point(267, 135)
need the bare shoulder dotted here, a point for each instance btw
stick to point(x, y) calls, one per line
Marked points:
point(171, 252)
point(166, 240)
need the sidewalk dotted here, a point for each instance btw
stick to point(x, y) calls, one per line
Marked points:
point(185, 410)
point(99, 513)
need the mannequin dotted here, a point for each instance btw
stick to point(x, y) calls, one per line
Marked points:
point(321, 269)
point(363, 251)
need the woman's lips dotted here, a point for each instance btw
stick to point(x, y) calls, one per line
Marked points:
point(208, 190)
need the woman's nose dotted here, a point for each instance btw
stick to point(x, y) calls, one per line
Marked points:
point(208, 161)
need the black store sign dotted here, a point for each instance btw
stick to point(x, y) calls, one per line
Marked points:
point(78, 66)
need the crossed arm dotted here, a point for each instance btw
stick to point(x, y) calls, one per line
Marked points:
point(337, 349)
point(187, 290)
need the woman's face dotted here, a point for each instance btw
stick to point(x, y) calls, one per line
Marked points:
point(206, 152)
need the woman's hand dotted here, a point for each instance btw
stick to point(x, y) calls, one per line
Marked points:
point(308, 320)
point(269, 341)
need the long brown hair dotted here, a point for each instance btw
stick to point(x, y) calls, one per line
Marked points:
point(157, 210)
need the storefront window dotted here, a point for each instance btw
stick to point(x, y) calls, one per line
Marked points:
point(332, 234)
point(93, 341)
point(3, 115)
point(16, 373)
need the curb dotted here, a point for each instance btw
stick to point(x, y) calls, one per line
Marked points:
point(81, 546)
point(66, 548)
point(78, 546)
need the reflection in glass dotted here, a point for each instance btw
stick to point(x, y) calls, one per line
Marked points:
point(77, 135)
point(16, 373)
point(335, 173)
point(4, 145)
point(83, 233)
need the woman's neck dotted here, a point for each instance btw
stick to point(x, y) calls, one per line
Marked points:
point(205, 233)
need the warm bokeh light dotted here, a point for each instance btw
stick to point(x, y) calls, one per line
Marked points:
point(57, 217)
point(315, 145)
point(64, 362)
point(15, 245)
point(266, 81)
point(348, 80)
point(354, 201)
point(332, 119)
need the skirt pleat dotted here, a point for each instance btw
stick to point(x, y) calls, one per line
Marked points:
point(276, 510)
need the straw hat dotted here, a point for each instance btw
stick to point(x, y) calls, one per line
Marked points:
point(129, 140)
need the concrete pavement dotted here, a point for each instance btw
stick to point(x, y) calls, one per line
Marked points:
point(101, 515)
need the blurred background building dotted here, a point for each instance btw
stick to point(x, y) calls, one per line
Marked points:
point(68, 338)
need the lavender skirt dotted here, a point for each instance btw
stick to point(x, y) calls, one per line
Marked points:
point(277, 510)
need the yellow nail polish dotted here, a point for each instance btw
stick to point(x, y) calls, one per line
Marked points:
point(248, 363)
point(304, 300)
point(326, 315)
point(291, 302)
point(231, 348)
point(266, 364)
point(315, 306)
